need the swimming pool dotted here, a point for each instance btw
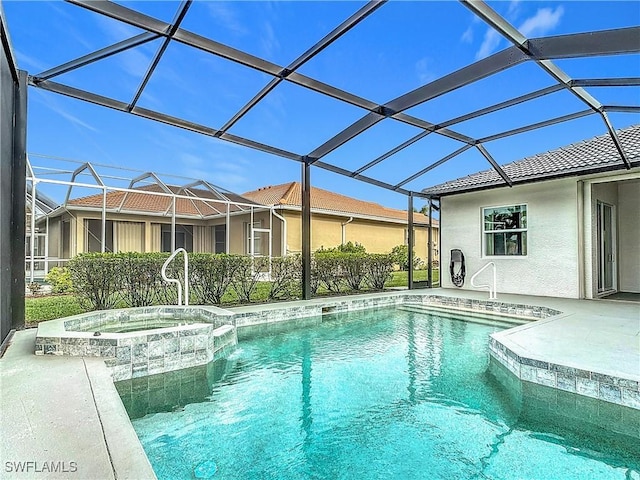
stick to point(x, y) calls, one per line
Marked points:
point(382, 393)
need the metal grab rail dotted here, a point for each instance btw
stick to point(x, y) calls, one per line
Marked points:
point(492, 291)
point(163, 272)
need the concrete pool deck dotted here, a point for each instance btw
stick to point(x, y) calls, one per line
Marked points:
point(57, 410)
point(62, 418)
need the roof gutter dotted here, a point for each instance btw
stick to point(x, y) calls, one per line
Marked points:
point(284, 231)
point(344, 229)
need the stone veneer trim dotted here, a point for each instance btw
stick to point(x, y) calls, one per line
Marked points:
point(612, 389)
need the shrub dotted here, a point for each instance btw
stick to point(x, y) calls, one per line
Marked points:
point(141, 279)
point(247, 275)
point(348, 247)
point(379, 268)
point(212, 275)
point(34, 288)
point(60, 280)
point(328, 270)
point(354, 269)
point(96, 279)
point(400, 255)
point(285, 277)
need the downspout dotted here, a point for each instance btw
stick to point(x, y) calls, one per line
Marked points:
point(344, 229)
point(283, 252)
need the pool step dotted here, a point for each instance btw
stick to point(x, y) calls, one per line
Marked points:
point(483, 318)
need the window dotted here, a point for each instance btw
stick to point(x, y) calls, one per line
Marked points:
point(505, 230)
point(93, 236)
point(184, 237)
point(257, 250)
point(220, 238)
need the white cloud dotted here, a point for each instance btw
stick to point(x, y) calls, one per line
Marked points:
point(225, 170)
point(543, 21)
point(489, 43)
point(53, 105)
point(115, 30)
point(224, 15)
point(467, 36)
point(514, 9)
point(269, 40)
point(425, 74)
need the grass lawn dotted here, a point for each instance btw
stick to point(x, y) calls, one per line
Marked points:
point(400, 279)
point(41, 308)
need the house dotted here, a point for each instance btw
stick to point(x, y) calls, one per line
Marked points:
point(337, 219)
point(568, 227)
point(200, 218)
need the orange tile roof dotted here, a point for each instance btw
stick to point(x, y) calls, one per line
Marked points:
point(290, 194)
point(146, 203)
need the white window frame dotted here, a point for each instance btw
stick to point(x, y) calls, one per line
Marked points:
point(253, 234)
point(484, 232)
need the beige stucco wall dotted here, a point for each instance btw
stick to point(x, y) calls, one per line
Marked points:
point(376, 237)
point(551, 265)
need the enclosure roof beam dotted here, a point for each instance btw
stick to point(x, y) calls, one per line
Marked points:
point(606, 82)
point(328, 39)
point(494, 164)
point(464, 148)
point(506, 104)
point(106, 52)
point(606, 42)
point(157, 116)
point(362, 178)
point(180, 14)
point(391, 152)
point(78, 171)
point(535, 126)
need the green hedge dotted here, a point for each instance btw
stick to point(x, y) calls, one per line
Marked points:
point(109, 280)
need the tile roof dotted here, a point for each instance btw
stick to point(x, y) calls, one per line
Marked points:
point(290, 194)
point(588, 156)
point(147, 203)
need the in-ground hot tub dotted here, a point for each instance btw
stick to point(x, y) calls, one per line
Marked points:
point(141, 341)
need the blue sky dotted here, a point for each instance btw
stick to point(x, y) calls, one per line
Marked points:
point(401, 46)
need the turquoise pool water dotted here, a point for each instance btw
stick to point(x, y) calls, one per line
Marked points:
point(382, 394)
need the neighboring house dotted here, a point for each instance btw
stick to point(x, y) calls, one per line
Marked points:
point(569, 226)
point(141, 219)
point(338, 219)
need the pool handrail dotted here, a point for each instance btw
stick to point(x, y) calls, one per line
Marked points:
point(492, 291)
point(163, 272)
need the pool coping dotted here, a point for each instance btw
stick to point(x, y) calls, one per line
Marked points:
point(602, 384)
point(606, 385)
